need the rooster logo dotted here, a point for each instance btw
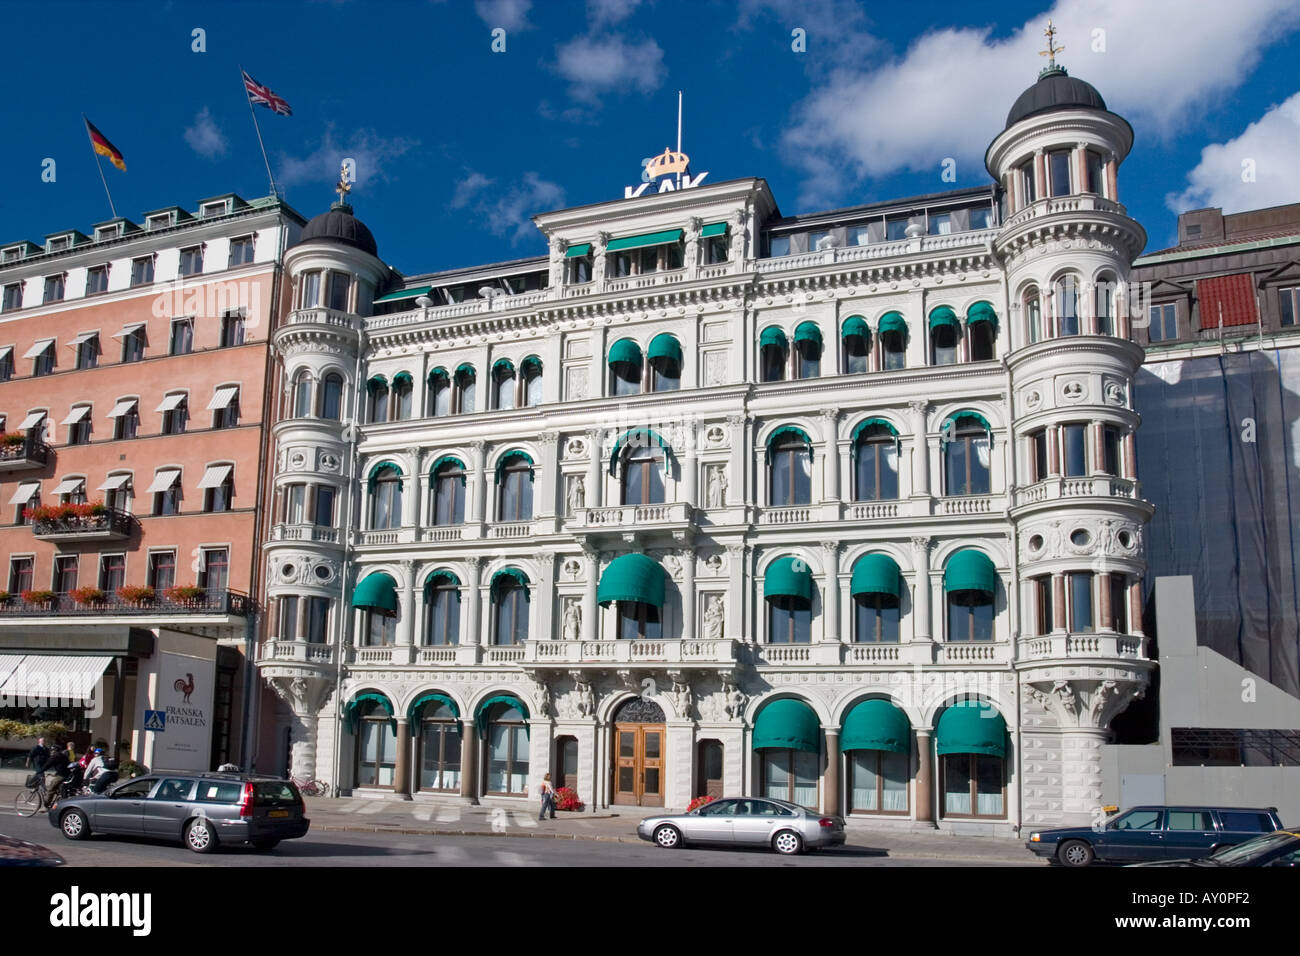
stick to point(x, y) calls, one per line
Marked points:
point(186, 687)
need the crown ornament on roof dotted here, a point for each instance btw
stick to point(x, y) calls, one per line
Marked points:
point(1051, 51)
point(667, 162)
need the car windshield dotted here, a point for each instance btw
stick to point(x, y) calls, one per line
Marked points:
point(1242, 852)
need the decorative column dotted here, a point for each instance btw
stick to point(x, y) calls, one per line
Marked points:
point(406, 620)
point(921, 590)
point(1053, 451)
point(739, 491)
point(693, 258)
point(472, 630)
point(834, 631)
point(1112, 179)
point(833, 761)
point(590, 610)
point(1106, 618)
point(469, 758)
point(480, 481)
point(545, 475)
point(1130, 456)
point(1098, 447)
point(690, 466)
point(1058, 602)
point(924, 776)
point(831, 417)
point(305, 697)
point(689, 599)
point(1135, 606)
point(737, 568)
point(920, 449)
point(411, 499)
point(594, 485)
point(1040, 175)
point(402, 766)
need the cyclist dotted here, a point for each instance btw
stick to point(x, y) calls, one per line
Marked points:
point(96, 766)
point(56, 772)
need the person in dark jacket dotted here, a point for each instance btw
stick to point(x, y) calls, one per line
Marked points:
point(56, 771)
point(37, 756)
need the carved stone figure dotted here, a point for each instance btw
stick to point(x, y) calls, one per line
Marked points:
point(735, 698)
point(681, 697)
point(586, 699)
point(717, 488)
point(577, 494)
point(572, 620)
point(543, 694)
point(713, 618)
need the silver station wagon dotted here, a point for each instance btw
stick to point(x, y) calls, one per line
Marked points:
point(746, 821)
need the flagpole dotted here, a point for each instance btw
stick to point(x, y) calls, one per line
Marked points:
point(99, 165)
point(252, 112)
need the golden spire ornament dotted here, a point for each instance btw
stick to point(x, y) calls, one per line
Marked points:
point(343, 187)
point(1052, 48)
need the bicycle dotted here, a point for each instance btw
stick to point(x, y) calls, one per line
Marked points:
point(34, 798)
point(311, 788)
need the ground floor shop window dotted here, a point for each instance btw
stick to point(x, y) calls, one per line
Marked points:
point(439, 749)
point(790, 775)
point(877, 781)
point(507, 753)
point(376, 749)
point(974, 785)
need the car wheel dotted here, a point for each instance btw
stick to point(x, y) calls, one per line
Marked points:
point(74, 825)
point(265, 844)
point(1075, 853)
point(668, 837)
point(787, 843)
point(199, 836)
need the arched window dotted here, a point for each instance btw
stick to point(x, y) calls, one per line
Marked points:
point(636, 583)
point(876, 739)
point(875, 461)
point(970, 582)
point(967, 438)
point(385, 497)
point(643, 476)
point(788, 590)
point(772, 352)
point(507, 751)
point(503, 383)
point(515, 487)
point(981, 330)
point(875, 586)
point(302, 395)
point(624, 368)
point(377, 393)
point(665, 357)
point(331, 397)
point(789, 454)
point(439, 736)
point(945, 336)
point(371, 717)
point(439, 393)
point(466, 387)
point(893, 341)
point(1104, 304)
point(1067, 305)
point(510, 600)
point(970, 740)
point(856, 336)
point(808, 346)
point(787, 737)
point(448, 485)
point(441, 609)
point(380, 629)
point(403, 387)
point(1033, 315)
point(532, 371)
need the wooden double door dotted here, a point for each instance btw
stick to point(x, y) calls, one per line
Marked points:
point(639, 744)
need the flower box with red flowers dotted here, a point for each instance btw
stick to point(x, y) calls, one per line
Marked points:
point(184, 593)
point(136, 594)
point(31, 596)
point(88, 596)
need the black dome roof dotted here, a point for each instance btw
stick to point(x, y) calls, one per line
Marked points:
point(339, 225)
point(1055, 90)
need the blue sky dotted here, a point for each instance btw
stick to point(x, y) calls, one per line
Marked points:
point(457, 145)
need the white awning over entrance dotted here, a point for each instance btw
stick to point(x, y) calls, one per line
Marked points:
point(55, 678)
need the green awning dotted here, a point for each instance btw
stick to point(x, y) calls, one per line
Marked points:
point(403, 378)
point(441, 574)
point(405, 294)
point(788, 577)
point(954, 420)
point(373, 477)
point(876, 725)
point(875, 574)
point(530, 363)
point(624, 350)
point(511, 456)
point(982, 312)
point(638, 438)
point(377, 591)
point(794, 430)
point(447, 460)
point(970, 570)
point(353, 713)
point(971, 727)
point(666, 346)
point(480, 718)
point(855, 325)
point(868, 423)
point(464, 368)
point(581, 249)
point(944, 316)
point(417, 705)
point(376, 382)
point(773, 336)
point(787, 724)
point(503, 363)
point(632, 577)
point(808, 332)
point(713, 229)
point(892, 322)
point(512, 574)
point(645, 239)
point(439, 373)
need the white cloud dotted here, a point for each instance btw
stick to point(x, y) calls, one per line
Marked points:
point(373, 154)
point(603, 13)
point(205, 136)
point(595, 66)
point(954, 86)
point(1265, 154)
point(508, 212)
point(510, 15)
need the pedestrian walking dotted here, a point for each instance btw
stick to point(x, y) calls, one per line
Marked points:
point(38, 755)
point(548, 798)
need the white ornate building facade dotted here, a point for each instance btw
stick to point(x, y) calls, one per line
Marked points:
point(838, 508)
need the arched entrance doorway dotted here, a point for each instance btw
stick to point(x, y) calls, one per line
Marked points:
point(638, 754)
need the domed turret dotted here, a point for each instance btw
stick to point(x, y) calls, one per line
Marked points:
point(339, 225)
point(1055, 90)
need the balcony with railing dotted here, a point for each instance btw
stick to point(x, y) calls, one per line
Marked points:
point(304, 532)
point(322, 316)
point(1101, 645)
point(85, 603)
point(672, 516)
point(80, 523)
point(686, 652)
point(299, 652)
point(22, 451)
point(1093, 486)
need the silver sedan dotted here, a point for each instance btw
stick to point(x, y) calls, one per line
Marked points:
point(746, 821)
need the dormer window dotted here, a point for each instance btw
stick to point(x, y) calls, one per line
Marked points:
point(57, 244)
point(105, 233)
point(160, 220)
point(12, 254)
point(210, 209)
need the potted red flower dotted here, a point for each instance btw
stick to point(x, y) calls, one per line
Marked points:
point(88, 595)
point(183, 593)
point(567, 799)
point(32, 596)
point(136, 594)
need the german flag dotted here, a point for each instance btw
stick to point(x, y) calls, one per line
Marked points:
point(103, 147)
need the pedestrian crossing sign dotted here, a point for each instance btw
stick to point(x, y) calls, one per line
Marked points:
point(155, 720)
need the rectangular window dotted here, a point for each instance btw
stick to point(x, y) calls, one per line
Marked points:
point(1038, 446)
point(1043, 604)
point(167, 500)
point(940, 225)
point(162, 570)
point(857, 236)
point(338, 291)
point(142, 271)
point(53, 289)
point(182, 340)
point(1288, 303)
point(191, 261)
point(1080, 587)
point(112, 572)
point(1094, 173)
point(779, 246)
point(232, 329)
point(896, 229)
point(815, 239)
point(288, 618)
point(324, 509)
point(241, 251)
point(96, 280)
point(6, 365)
point(1058, 171)
point(175, 412)
point(1164, 323)
point(65, 573)
point(20, 575)
point(210, 210)
point(133, 344)
point(981, 217)
point(310, 290)
point(226, 414)
point(215, 571)
point(1074, 439)
point(1119, 603)
point(88, 352)
point(1110, 450)
point(78, 422)
point(716, 249)
point(13, 297)
point(1027, 181)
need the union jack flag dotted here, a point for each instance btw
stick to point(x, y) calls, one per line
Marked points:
point(260, 95)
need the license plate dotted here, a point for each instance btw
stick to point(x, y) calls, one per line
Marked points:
point(278, 813)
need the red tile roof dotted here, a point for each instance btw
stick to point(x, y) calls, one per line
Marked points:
point(1231, 297)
